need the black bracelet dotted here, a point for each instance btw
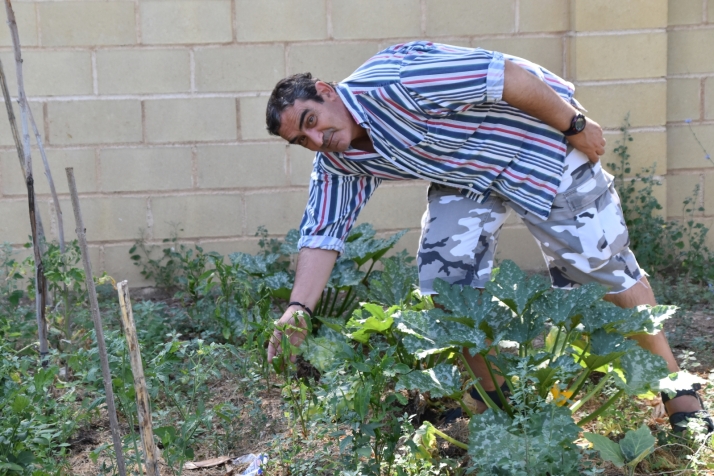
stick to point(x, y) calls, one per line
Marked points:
point(307, 309)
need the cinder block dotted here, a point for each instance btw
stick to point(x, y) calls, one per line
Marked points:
point(684, 151)
point(544, 15)
point(145, 169)
point(685, 12)
point(198, 216)
point(708, 193)
point(118, 265)
point(377, 19)
point(187, 21)
point(142, 71)
point(87, 23)
point(278, 212)
point(679, 189)
point(14, 221)
point(690, 52)
point(620, 56)
point(252, 118)
point(82, 160)
point(709, 98)
point(107, 219)
point(518, 245)
point(300, 160)
point(281, 20)
point(683, 100)
point(710, 16)
point(469, 17)
point(609, 104)
point(241, 166)
point(647, 150)
point(5, 133)
point(239, 68)
point(184, 120)
point(26, 26)
point(547, 52)
point(596, 15)
point(396, 207)
point(50, 73)
point(94, 122)
point(331, 61)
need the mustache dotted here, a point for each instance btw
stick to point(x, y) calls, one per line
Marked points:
point(327, 137)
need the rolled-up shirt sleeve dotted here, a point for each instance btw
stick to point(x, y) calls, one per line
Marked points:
point(453, 78)
point(334, 202)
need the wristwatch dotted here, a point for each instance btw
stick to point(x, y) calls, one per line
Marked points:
point(576, 125)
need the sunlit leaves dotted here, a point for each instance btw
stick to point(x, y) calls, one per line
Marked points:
point(642, 371)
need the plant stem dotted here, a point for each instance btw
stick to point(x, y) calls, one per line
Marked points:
point(454, 442)
point(576, 406)
point(501, 396)
point(602, 409)
point(477, 384)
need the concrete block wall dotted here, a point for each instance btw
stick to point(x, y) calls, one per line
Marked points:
point(159, 105)
point(690, 106)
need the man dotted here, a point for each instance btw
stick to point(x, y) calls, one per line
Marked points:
point(491, 132)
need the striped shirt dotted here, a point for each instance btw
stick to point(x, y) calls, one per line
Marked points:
point(435, 112)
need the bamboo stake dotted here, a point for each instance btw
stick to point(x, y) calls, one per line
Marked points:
point(36, 226)
point(143, 405)
point(48, 174)
point(94, 306)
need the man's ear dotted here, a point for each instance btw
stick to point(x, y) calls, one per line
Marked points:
point(324, 89)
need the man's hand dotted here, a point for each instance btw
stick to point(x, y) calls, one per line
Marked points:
point(590, 141)
point(293, 325)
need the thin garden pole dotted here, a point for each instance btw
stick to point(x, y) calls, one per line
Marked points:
point(26, 160)
point(143, 406)
point(94, 306)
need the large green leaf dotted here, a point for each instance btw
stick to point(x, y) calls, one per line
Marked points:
point(562, 306)
point(604, 314)
point(378, 322)
point(514, 288)
point(321, 351)
point(526, 327)
point(642, 371)
point(394, 284)
point(280, 284)
point(444, 380)
point(345, 274)
point(480, 310)
point(646, 319)
point(609, 450)
point(366, 247)
point(433, 331)
point(637, 444)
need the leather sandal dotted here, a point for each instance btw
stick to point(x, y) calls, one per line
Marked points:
point(679, 420)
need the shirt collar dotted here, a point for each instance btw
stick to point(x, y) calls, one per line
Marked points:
point(352, 105)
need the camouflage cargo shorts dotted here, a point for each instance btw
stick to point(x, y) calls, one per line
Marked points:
point(584, 239)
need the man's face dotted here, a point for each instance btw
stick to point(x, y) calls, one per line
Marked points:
point(324, 127)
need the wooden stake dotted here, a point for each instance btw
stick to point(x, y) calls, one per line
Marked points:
point(94, 306)
point(35, 224)
point(143, 405)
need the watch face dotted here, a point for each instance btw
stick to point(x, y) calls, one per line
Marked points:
point(579, 123)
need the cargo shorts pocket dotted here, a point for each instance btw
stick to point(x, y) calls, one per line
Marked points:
point(580, 196)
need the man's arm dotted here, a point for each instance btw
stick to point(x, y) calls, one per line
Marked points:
point(528, 93)
point(313, 271)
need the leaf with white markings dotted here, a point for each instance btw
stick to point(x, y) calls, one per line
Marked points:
point(444, 380)
point(642, 371)
point(514, 288)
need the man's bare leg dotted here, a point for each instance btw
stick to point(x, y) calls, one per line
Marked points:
point(478, 366)
point(641, 293)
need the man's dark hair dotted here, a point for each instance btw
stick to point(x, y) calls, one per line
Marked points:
point(286, 92)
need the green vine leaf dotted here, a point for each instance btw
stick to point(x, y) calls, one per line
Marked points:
point(444, 380)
